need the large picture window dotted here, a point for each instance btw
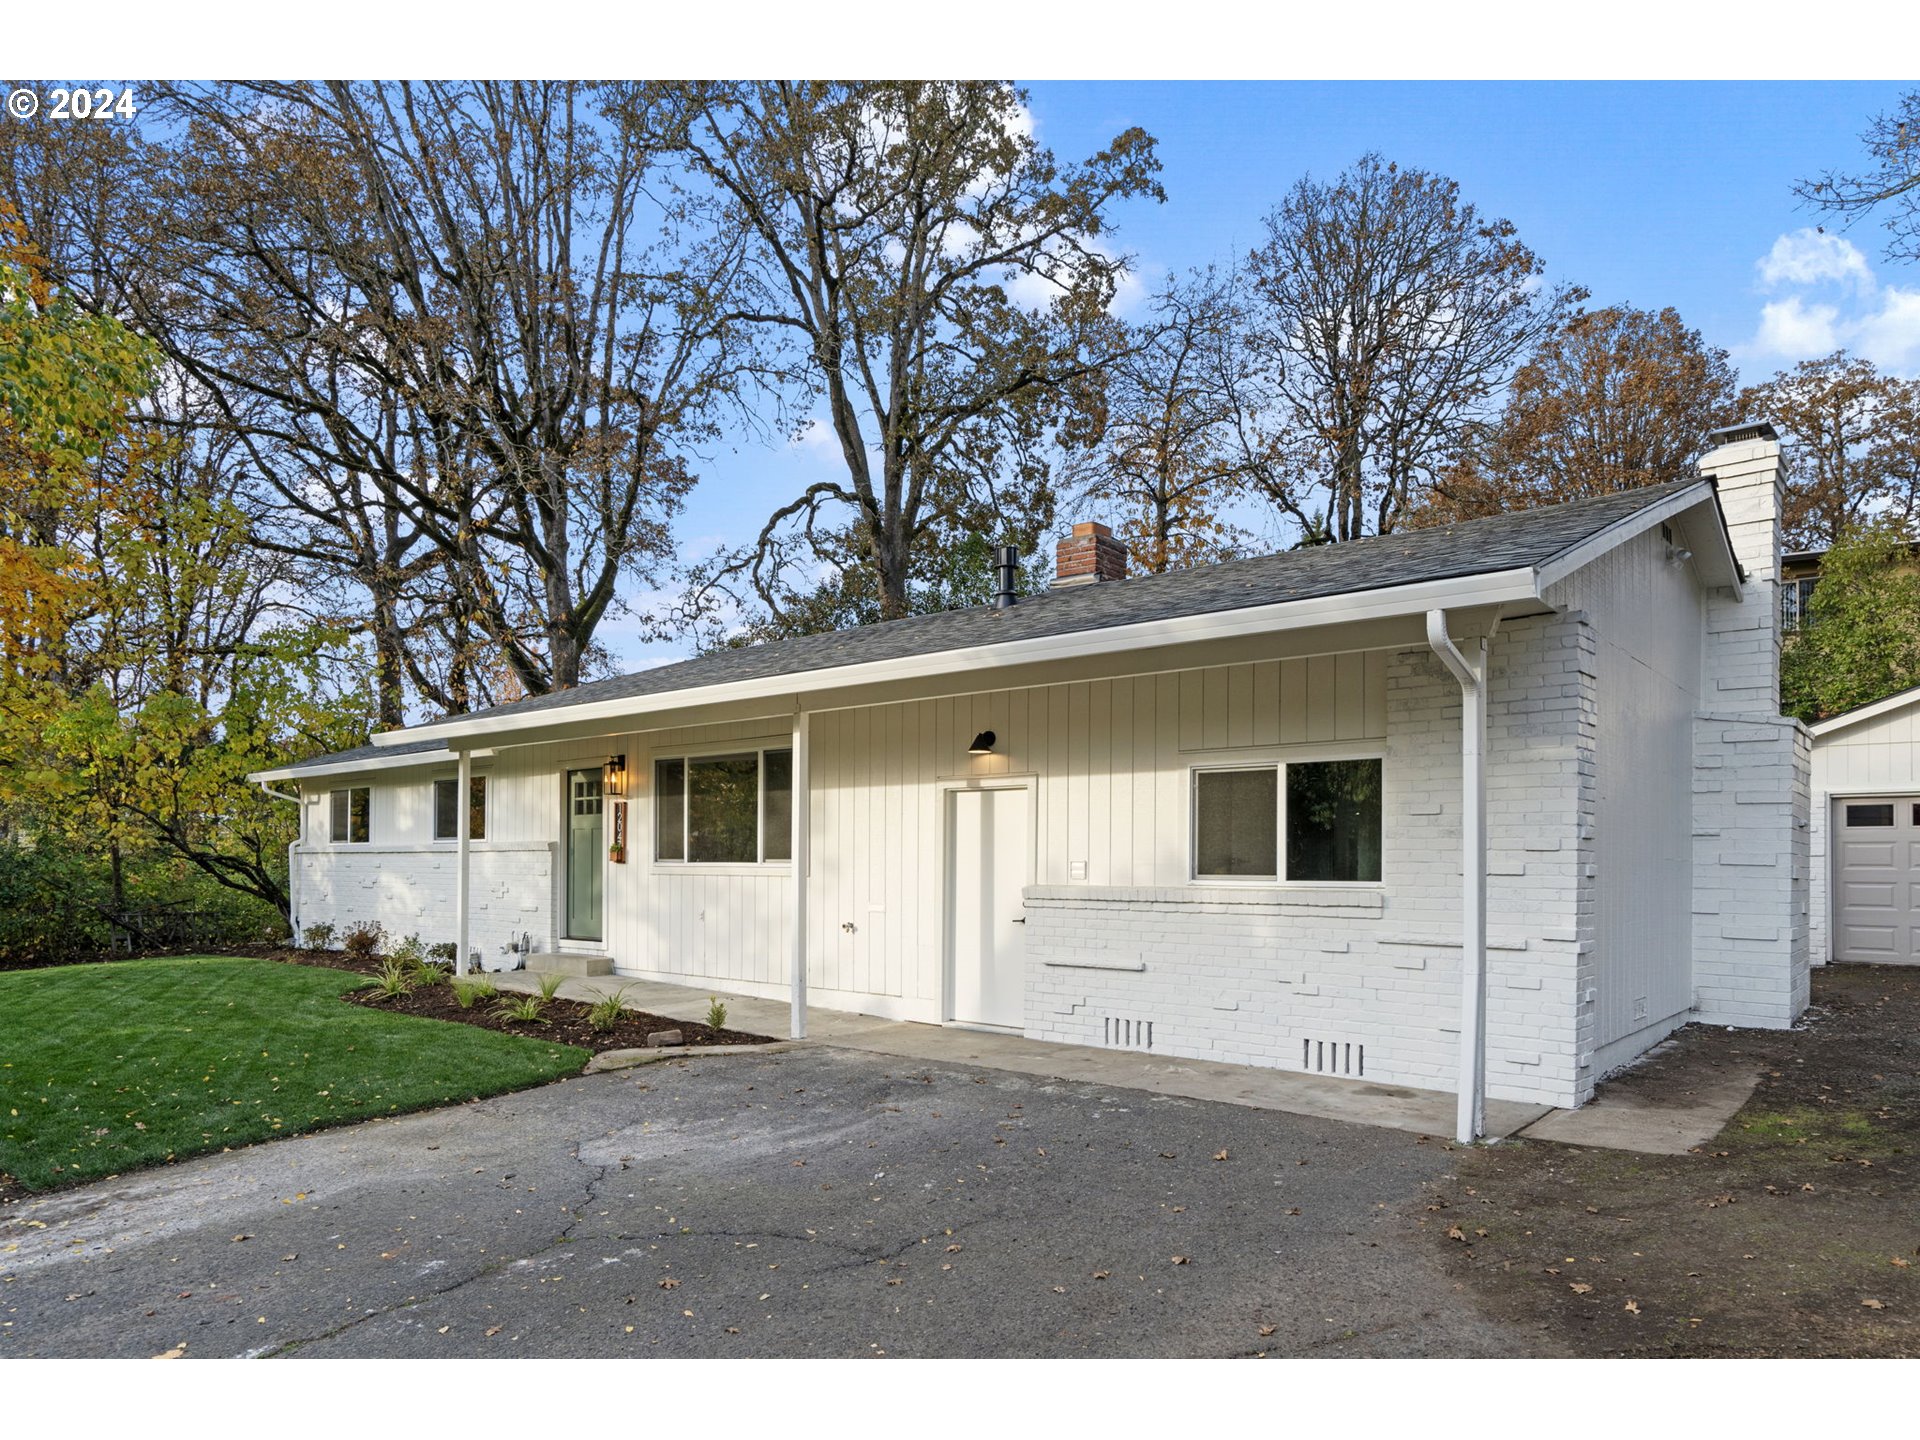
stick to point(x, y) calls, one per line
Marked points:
point(734, 809)
point(446, 806)
point(1308, 820)
point(347, 816)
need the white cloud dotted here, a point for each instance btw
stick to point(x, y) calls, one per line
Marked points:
point(1810, 257)
point(1794, 327)
point(1832, 300)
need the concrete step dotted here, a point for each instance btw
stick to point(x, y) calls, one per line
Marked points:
point(561, 963)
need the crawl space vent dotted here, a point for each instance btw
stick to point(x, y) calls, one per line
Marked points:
point(1124, 1034)
point(1333, 1057)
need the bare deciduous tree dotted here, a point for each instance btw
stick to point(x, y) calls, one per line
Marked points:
point(1176, 407)
point(1393, 314)
point(1893, 141)
point(927, 269)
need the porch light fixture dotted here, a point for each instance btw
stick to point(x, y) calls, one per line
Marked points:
point(982, 743)
point(615, 776)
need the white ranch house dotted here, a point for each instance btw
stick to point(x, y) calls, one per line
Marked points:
point(1502, 803)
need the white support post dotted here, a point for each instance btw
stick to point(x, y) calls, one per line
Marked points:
point(463, 828)
point(1470, 670)
point(802, 829)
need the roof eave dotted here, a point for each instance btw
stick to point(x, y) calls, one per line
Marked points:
point(1721, 562)
point(354, 767)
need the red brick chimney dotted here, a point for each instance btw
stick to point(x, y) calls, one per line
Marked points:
point(1089, 556)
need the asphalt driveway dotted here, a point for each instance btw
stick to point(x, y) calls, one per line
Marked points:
point(808, 1202)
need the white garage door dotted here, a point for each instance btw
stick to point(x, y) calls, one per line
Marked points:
point(1876, 879)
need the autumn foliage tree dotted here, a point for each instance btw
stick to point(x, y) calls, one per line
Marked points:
point(1890, 185)
point(1852, 437)
point(1613, 399)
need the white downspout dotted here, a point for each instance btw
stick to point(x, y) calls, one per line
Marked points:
point(1471, 672)
point(463, 829)
point(293, 848)
point(802, 831)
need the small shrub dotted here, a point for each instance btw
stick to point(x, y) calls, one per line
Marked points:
point(392, 980)
point(716, 1013)
point(522, 1009)
point(550, 985)
point(362, 941)
point(468, 993)
point(426, 974)
point(317, 937)
point(604, 1013)
point(409, 952)
point(446, 952)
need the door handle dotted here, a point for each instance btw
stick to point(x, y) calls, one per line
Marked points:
point(1021, 921)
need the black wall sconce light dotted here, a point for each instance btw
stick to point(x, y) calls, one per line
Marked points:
point(982, 743)
point(615, 776)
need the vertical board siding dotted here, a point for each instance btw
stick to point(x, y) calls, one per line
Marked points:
point(1109, 760)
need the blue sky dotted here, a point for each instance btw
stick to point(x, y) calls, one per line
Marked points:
point(1648, 194)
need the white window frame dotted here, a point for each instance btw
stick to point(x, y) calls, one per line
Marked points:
point(687, 754)
point(433, 808)
point(1278, 759)
point(348, 790)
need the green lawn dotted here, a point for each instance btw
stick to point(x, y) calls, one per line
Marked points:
point(105, 1068)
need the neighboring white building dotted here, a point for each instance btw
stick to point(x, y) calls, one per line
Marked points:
point(1231, 813)
point(1866, 833)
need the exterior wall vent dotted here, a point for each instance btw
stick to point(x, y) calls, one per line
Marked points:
point(1333, 1057)
point(1125, 1034)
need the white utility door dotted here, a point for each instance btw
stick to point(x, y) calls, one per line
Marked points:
point(990, 862)
point(1876, 878)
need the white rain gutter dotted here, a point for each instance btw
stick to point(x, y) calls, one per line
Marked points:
point(293, 845)
point(1471, 672)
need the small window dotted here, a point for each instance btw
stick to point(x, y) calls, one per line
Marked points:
point(1321, 817)
point(446, 799)
point(1862, 817)
point(348, 815)
point(724, 809)
point(1236, 823)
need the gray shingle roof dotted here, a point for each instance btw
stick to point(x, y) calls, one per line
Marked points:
point(1502, 542)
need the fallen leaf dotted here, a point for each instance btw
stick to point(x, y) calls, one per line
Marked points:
point(1454, 1232)
point(1901, 1261)
point(1221, 1155)
point(669, 1284)
point(1179, 1259)
point(174, 1354)
point(493, 1330)
point(1632, 1307)
point(1266, 1330)
point(1874, 1304)
point(1101, 1274)
point(238, 1238)
point(1580, 1288)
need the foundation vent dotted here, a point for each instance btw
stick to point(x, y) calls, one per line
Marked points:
point(1333, 1057)
point(1124, 1034)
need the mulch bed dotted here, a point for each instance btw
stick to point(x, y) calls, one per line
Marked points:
point(565, 1021)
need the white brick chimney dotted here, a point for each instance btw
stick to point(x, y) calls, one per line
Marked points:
point(1750, 765)
point(1744, 665)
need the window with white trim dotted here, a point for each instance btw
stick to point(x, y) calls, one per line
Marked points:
point(348, 815)
point(733, 809)
point(446, 804)
point(1303, 821)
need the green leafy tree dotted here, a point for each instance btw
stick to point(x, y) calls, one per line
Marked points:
point(1863, 643)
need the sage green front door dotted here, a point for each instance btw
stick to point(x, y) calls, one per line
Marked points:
point(585, 860)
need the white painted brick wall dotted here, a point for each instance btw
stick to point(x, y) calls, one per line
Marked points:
point(412, 890)
point(1252, 975)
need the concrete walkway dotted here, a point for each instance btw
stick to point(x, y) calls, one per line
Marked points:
point(1397, 1107)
